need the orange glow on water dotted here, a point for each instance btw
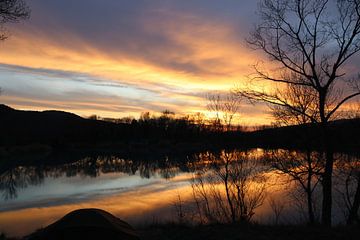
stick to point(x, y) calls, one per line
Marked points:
point(139, 206)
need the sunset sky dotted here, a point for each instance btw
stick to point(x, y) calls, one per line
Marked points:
point(118, 58)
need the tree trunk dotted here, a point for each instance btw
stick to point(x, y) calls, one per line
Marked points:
point(311, 212)
point(226, 181)
point(353, 213)
point(309, 188)
point(327, 188)
point(310, 205)
point(329, 162)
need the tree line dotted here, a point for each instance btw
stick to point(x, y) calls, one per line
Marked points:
point(310, 43)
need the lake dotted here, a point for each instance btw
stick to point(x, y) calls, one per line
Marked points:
point(142, 191)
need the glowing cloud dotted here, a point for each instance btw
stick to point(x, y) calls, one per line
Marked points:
point(155, 57)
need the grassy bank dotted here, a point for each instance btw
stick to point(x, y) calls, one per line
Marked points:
point(242, 232)
point(252, 232)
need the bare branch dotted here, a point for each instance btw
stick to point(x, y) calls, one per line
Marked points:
point(12, 11)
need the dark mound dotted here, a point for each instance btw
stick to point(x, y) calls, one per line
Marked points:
point(87, 224)
point(344, 134)
point(5, 109)
point(54, 128)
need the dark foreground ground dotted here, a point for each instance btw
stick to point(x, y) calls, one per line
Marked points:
point(236, 232)
point(232, 232)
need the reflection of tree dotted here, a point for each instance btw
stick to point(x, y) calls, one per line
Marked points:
point(231, 190)
point(304, 168)
point(13, 179)
point(147, 169)
point(348, 168)
point(19, 177)
point(9, 182)
point(91, 167)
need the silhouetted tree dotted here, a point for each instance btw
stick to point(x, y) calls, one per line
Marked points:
point(93, 117)
point(310, 41)
point(353, 111)
point(198, 118)
point(303, 168)
point(225, 107)
point(145, 116)
point(12, 11)
point(304, 104)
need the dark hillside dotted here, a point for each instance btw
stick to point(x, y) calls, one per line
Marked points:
point(58, 129)
point(345, 135)
point(52, 127)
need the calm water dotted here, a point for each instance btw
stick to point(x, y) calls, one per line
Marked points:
point(137, 191)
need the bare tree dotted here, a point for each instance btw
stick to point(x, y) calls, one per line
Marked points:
point(232, 190)
point(225, 107)
point(304, 104)
point(277, 207)
point(353, 111)
point(304, 168)
point(12, 11)
point(349, 172)
point(310, 41)
point(179, 208)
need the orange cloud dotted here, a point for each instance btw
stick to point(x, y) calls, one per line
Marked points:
point(206, 56)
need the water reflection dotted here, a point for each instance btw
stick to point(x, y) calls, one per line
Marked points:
point(13, 179)
point(140, 189)
point(229, 189)
point(20, 177)
point(305, 170)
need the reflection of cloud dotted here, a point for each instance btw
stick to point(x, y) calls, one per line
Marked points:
point(84, 197)
point(126, 203)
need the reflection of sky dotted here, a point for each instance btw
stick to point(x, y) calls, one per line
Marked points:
point(64, 190)
point(136, 199)
point(132, 198)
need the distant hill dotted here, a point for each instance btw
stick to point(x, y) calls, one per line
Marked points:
point(346, 135)
point(52, 127)
point(57, 129)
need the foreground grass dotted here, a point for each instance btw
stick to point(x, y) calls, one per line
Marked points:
point(252, 232)
point(237, 232)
